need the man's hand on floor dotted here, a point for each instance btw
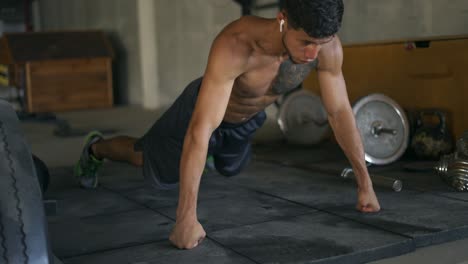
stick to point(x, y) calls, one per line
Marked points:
point(367, 201)
point(187, 234)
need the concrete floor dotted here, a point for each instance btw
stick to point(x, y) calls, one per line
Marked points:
point(61, 153)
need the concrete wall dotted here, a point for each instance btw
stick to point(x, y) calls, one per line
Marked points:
point(178, 41)
point(377, 20)
point(186, 29)
point(163, 44)
point(398, 19)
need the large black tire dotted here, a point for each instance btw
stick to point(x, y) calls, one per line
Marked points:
point(23, 227)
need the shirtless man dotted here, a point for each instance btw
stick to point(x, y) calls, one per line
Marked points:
point(251, 63)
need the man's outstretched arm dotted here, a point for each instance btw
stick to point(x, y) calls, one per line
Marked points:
point(226, 61)
point(343, 123)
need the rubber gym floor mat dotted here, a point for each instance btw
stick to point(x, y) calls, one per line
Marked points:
point(428, 219)
point(152, 198)
point(427, 181)
point(78, 203)
point(286, 154)
point(463, 196)
point(422, 181)
point(112, 175)
point(210, 188)
point(241, 207)
point(275, 206)
point(317, 190)
point(164, 253)
point(314, 238)
point(73, 237)
point(61, 178)
point(120, 176)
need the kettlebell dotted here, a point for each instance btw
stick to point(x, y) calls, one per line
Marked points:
point(431, 141)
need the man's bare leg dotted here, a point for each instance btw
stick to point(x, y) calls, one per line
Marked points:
point(118, 149)
point(96, 148)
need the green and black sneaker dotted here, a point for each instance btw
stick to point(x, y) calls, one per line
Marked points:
point(86, 168)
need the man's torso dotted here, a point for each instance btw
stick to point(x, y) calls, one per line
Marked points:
point(266, 79)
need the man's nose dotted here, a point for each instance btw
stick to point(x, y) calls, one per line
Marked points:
point(311, 51)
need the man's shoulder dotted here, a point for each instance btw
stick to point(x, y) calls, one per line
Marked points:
point(331, 55)
point(245, 29)
point(235, 39)
point(332, 48)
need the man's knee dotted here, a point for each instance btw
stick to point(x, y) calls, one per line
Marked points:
point(229, 172)
point(232, 168)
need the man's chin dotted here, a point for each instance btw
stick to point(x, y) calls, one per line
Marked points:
point(296, 61)
point(300, 62)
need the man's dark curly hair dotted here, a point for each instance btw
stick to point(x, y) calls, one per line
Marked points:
point(318, 18)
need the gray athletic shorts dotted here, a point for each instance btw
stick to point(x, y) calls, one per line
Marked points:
point(162, 144)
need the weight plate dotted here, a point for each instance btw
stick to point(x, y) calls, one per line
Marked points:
point(384, 128)
point(303, 119)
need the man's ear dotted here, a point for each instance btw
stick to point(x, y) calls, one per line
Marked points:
point(280, 16)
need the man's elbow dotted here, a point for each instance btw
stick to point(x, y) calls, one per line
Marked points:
point(199, 133)
point(337, 114)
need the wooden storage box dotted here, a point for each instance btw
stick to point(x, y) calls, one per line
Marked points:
point(59, 71)
point(419, 73)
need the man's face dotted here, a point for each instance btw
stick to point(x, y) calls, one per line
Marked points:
point(301, 47)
